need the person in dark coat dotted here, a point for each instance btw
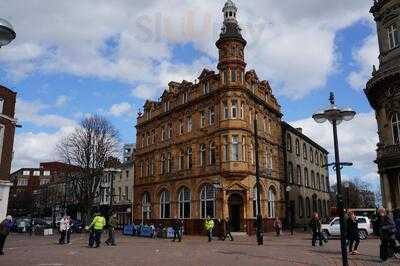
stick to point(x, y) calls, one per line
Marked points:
point(177, 226)
point(5, 228)
point(396, 218)
point(387, 232)
point(315, 225)
point(226, 224)
point(352, 234)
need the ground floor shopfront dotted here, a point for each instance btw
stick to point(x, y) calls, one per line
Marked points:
point(192, 200)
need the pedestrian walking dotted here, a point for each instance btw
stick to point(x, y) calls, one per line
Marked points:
point(153, 231)
point(31, 226)
point(209, 226)
point(277, 226)
point(98, 224)
point(112, 223)
point(396, 218)
point(63, 229)
point(68, 233)
point(227, 228)
point(353, 234)
point(177, 226)
point(315, 225)
point(387, 232)
point(5, 227)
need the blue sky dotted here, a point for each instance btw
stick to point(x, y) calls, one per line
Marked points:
point(118, 55)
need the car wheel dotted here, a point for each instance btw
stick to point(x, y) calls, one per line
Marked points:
point(362, 234)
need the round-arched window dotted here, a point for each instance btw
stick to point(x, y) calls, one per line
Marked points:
point(184, 203)
point(207, 201)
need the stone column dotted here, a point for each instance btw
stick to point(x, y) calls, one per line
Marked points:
point(4, 193)
point(386, 197)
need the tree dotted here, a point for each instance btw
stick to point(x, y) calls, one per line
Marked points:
point(89, 146)
point(358, 194)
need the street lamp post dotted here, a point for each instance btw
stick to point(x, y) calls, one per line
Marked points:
point(7, 33)
point(259, 232)
point(347, 187)
point(335, 116)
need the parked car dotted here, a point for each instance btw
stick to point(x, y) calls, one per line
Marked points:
point(22, 224)
point(333, 227)
point(76, 226)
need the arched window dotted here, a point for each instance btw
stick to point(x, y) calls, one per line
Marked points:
point(165, 205)
point(297, 147)
point(308, 207)
point(298, 175)
point(289, 142)
point(314, 203)
point(323, 183)
point(268, 159)
point(212, 153)
point(251, 154)
point(316, 158)
point(243, 148)
point(290, 172)
point(301, 207)
point(189, 158)
point(321, 160)
point(163, 164)
point(306, 181)
point(146, 205)
point(181, 160)
point(396, 128)
point(324, 208)
point(311, 155)
point(318, 180)
point(319, 207)
point(202, 155)
point(312, 179)
point(271, 203)
point(255, 201)
point(305, 151)
point(169, 163)
point(184, 203)
point(207, 199)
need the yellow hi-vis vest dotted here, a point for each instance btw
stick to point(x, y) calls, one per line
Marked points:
point(98, 223)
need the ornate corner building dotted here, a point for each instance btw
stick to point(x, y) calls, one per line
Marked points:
point(383, 92)
point(195, 153)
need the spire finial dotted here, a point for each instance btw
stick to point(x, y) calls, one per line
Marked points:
point(373, 70)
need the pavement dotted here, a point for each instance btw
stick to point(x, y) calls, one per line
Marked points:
point(24, 250)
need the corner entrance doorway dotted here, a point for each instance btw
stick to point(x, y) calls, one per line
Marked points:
point(235, 202)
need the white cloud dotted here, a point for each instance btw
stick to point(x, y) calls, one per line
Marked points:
point(121, 109)
point(365, 57)
point(32, 148)
point(61, 100)
point(357, 141)
point(131, 42)
point(32, 112)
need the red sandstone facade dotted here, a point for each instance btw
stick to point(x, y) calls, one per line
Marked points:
point(195, 147)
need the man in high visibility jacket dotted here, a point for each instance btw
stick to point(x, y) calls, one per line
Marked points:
point(98, 224)
point(209, 225)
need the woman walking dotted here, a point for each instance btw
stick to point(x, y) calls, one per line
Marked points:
point(353, 234)
point(387, 233)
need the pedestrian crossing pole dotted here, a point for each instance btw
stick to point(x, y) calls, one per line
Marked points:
point(259, 231)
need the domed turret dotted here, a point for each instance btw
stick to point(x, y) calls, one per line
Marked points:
point(231, 45)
